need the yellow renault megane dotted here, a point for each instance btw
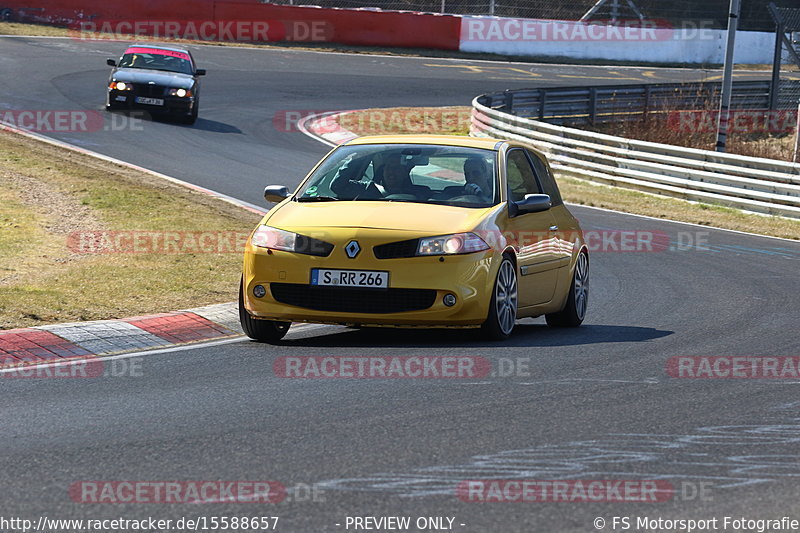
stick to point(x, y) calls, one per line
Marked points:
point(417, 231)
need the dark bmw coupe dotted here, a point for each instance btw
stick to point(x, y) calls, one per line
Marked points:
point(157, 79)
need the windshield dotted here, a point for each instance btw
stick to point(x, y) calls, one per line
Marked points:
point(156, 59)
point(432, 174)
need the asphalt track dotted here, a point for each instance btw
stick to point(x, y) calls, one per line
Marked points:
point(594, 403)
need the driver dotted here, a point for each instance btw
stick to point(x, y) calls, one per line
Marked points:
point(395, 180)
point(478, 179)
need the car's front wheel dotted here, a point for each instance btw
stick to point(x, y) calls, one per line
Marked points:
point(260, 330)
point(575, 311)
point(503, 305)
point(191, 118)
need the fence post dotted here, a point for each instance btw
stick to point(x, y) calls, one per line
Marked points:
point(542, 102)
point(508, 101)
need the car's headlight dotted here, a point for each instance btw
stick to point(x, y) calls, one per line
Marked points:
point(120, 86)
point(180, 93)
point(278, 239)
point(457, 243)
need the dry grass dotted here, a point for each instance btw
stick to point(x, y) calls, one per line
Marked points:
point(48, 194)
point(582, 192)
point(751, 134)
point(397, 120)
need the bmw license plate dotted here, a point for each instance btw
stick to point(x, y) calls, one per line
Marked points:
point(374, 279)
point(149, 101)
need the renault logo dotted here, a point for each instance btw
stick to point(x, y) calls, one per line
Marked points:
point(352, 249)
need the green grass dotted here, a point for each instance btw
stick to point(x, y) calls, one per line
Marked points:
point(44, 280)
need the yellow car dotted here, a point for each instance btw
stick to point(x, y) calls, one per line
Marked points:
point(417, 231)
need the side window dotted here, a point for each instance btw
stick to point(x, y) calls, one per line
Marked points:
point(546, 178)
point(521, 180)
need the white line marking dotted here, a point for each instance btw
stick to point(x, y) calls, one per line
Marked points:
point(83, 360)
point(182, 347)
point(685, 223)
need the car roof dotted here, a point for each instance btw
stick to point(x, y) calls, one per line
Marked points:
point(445, 140)
point(159, 47)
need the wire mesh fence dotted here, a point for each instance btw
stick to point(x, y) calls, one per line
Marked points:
point(712, 14)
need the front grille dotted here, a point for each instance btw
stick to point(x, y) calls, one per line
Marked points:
point(353, 299)
point(145, 89)
point(395, 250)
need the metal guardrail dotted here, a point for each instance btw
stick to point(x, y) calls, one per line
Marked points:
point(593, 105)
point(752, 184)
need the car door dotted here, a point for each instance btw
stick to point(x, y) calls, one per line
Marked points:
point(566, 231)
point(532, 234)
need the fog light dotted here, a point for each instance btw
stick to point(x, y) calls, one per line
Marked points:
point(259, 291)
point(449, 300)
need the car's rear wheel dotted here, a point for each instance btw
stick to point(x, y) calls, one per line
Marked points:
point(260, 330)
point(575, 310)
point(503, 306)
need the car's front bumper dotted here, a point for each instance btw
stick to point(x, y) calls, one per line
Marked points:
point(172, 104)
point(469, 277)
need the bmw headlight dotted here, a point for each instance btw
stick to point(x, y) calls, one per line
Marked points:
point(180, 93)
point(120, 86)
point(278, 239)
point(457, 243)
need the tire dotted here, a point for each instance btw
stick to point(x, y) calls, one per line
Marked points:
point(192, 117)
point(260, 330)
point(575, 310)
point(6, 15)
point(503, 306)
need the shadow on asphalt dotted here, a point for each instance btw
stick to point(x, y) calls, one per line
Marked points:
point(202, 124)
point(525, 335)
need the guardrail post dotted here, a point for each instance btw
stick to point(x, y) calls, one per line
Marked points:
point(508, 101)
point(542, 102)
point(647, 93)
point(592, 105)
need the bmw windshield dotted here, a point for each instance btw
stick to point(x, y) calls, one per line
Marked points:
point(157, 59)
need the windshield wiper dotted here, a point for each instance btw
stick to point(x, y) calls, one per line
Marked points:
point(318, 199)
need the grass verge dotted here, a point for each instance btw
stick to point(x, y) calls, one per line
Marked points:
point(455, 121)
point(58, 209)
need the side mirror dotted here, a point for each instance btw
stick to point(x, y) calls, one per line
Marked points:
point(532, 203)
point(200, 72)
point(276, 193)
point(111, 63)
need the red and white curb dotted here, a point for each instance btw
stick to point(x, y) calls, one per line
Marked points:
point(61, 342)
point(325, 128)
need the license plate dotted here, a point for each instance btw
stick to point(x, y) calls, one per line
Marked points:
point(374, 279)
point(149, 101)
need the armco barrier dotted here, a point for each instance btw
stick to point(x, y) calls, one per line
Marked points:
point(748, 183)
point(345, 26)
